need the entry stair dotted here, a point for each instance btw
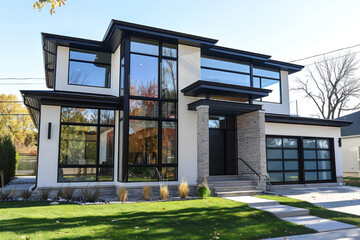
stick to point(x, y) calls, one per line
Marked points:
point(299, 216)
point(232, 186)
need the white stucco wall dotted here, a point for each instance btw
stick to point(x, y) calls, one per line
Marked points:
point(310, 131)
point(350, 155)
point(284, 106)
point(189, 72)
point(62, 74)
point(49, 150)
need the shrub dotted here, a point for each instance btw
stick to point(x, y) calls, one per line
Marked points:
point(164, 192)
point(203, 190)
point(26, 194)
point(183, 188)
point(44, 194)
point(5, 194)
point(122, 194)
point(91, 195)
point(60, 193)
point(69, 193)
point(7, 158)
point(147, 193)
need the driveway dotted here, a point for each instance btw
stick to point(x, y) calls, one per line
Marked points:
point(20, 183)
point(340, 198)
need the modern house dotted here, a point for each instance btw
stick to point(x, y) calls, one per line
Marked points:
point(350, 136)
point(147, 105)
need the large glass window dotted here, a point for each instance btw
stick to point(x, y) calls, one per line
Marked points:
point(225, 71)
point(268, 79)
point(86, 145)
point(88, 68)
point(238, 73)
point(152, 154)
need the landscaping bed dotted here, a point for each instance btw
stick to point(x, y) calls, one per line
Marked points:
point(211, 218)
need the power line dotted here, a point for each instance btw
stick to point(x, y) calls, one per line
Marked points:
point(19, 78)
point(317, 55)
point(332, 58)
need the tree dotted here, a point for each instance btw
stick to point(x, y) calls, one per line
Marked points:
point(7, 158)
point(15, 121)
point(332, 84)
point(54, 3)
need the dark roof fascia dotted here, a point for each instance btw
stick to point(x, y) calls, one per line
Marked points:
point(224, 107)
point(202, 87)
point(68, 41)
point(147, 30)
point(291, 68)
point(73, 98)
point(224, 51)
point(287, 119)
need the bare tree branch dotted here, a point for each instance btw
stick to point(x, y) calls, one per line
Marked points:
point(331, 84)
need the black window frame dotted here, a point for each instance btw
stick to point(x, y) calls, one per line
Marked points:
point(160, 119)
point(107, 84)
point(270, 78)
point(250, 73)
point(301, 159)
point(98, 125)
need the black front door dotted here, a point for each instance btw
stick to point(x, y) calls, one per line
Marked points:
point(222, 146)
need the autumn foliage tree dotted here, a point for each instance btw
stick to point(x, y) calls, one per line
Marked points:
point(54, 3)
point(15, 121)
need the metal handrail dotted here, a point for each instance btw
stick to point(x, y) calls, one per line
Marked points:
point(250, 168)
point(267, 179)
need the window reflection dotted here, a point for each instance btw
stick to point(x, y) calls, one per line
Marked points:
point(144, 76)
point(88, 68)
point(169, 142)
point(168, 79)
point(143, 142)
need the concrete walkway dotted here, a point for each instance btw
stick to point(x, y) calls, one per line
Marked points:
point(21, 183)
point(299, 216)
point(340, 198)
point(350, 234)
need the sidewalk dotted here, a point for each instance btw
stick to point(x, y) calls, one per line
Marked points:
point(301, 216)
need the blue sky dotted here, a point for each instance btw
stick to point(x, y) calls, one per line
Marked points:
point(285, 29)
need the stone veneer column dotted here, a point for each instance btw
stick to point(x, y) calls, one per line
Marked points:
point(251, 145)
point(202, 118)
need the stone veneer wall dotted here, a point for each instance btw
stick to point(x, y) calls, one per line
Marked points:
point(251, 145)
point(202, 119)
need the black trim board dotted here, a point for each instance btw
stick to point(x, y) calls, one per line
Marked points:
point(287, 119)
point(225, 108)
point(33, 100)
point(202, 87)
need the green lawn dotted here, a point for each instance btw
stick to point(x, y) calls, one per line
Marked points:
point(316, 210)
point(212, 218)
point(352, 181)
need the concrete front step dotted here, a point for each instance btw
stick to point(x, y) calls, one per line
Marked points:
point(232, 183)
point(238, 193)
point(282, 211)
point(318, 224)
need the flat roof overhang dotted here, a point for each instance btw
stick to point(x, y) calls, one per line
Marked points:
point(288, 119)
point(34, 99)
point(207, 88)
point(225, 108)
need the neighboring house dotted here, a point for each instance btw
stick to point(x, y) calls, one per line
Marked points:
point(350, 136)
point(149, 105)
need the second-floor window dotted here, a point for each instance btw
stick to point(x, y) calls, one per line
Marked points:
point(238, 73)
point(89, 68)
